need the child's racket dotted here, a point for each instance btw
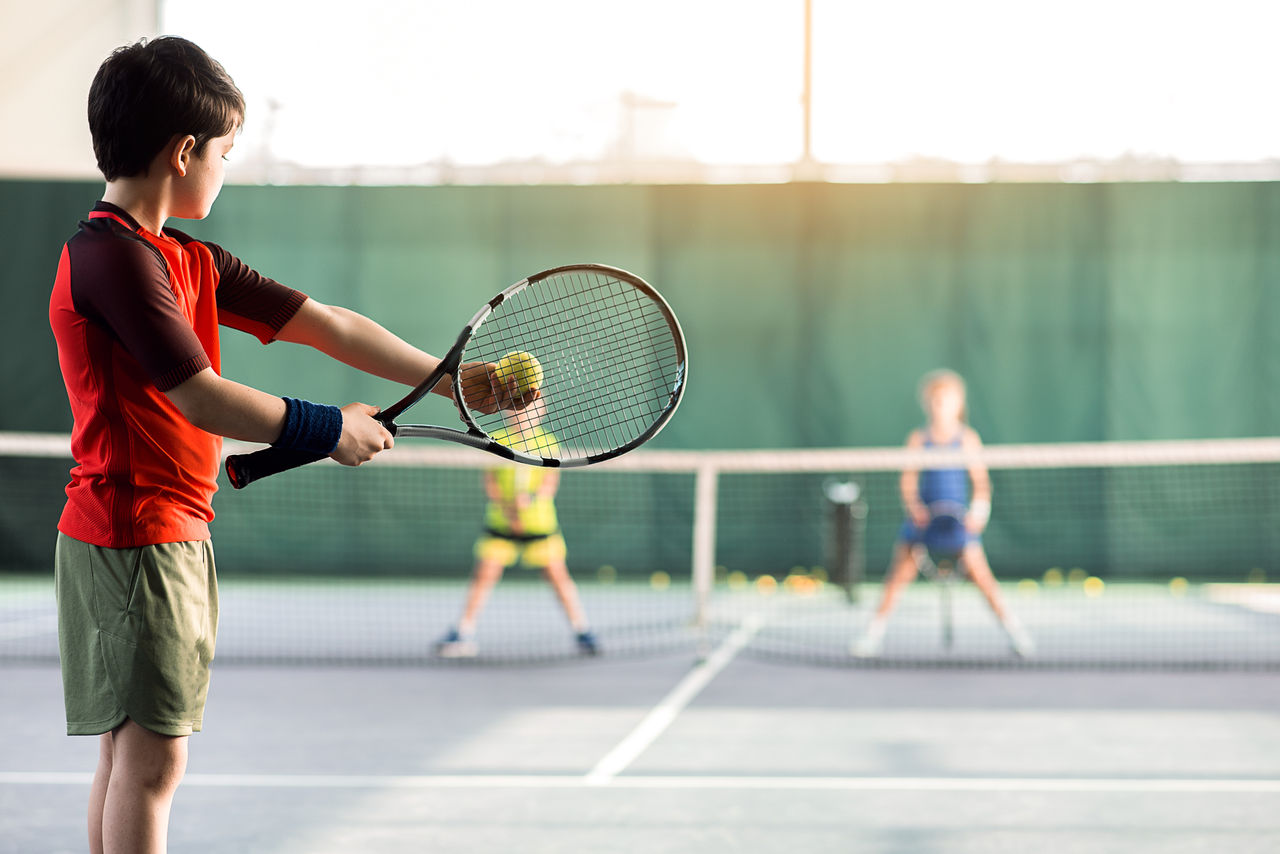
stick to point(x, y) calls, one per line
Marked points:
point(945, 539)
point(601, 347)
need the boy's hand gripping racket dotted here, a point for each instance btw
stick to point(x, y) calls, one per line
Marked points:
point(599, 346)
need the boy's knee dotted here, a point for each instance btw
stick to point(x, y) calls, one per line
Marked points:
point(152, 776)
point(489, 571)
point(903, 570)
point(162, 778)
point(151, 762)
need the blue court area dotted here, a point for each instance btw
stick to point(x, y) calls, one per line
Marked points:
point(673, 753)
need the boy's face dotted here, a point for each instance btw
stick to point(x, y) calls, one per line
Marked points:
point(203, 181)
point(945, 403)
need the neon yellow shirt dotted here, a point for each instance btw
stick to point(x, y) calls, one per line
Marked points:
point(538, 517)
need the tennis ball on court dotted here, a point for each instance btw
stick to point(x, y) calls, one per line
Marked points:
point(659, 580)
point(523, 368)
point(1093, 586)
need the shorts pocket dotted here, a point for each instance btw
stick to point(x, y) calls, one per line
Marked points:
point(116, 581)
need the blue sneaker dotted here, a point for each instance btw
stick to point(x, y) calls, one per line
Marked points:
point(455, 645)
point(587, 644)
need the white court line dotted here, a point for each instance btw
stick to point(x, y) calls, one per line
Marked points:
point(1264, 600)
point(1152, 785)
point(662, 715)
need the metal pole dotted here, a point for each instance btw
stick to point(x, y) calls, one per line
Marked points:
point(704, 540)
point(807, 96)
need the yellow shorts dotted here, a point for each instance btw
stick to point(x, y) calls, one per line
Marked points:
point(533, 553)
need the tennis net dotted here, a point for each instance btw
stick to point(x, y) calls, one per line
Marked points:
point(1148, 554)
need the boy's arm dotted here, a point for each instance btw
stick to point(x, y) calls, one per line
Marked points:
point(227, 408)
point(509, 508)
point(362, 343)
point(550, 484)
point(980, 501)
point(909, 485)
point(490, 486)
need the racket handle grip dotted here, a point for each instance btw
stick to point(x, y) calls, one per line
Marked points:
point(244, 469)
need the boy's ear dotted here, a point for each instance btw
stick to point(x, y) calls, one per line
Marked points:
point(180, 151)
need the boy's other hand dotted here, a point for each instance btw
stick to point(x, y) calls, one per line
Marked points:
point(363, 436)
point(482, 391)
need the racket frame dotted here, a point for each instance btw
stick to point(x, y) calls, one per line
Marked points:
point(942, 567)
point(245, 468)
point(476, 437)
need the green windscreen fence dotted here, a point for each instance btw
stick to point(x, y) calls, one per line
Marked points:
point(1076, 312)
point(1108, 554)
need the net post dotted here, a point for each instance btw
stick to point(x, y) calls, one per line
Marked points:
point(704, 540)
point(846, 533)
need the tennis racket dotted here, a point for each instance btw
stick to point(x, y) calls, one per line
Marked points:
point(611, 370)
point(945, 539)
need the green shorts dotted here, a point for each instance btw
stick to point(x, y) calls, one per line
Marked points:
point(136, 631)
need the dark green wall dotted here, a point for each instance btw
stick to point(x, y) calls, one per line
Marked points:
point(1078, 312)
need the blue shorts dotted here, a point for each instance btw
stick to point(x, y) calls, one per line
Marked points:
point(913, 535)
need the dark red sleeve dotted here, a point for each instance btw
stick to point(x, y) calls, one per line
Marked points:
point(123, 284)
point(248, 300)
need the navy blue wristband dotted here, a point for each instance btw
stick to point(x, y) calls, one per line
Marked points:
point(313, 428)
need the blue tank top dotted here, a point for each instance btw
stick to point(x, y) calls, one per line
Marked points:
point(944, 484)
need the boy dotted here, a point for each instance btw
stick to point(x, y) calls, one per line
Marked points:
point(520, 525)
point(944, 399)
point(135, 310)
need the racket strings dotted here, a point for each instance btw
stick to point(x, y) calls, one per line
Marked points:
point(584, 324)
point(602, 384)
point(611, 362)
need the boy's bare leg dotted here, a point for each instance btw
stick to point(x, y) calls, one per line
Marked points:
point(902, 571)
point(557, 573)
point(483, 579)
point(98, 792)
point(975, 561)
point(144, 770)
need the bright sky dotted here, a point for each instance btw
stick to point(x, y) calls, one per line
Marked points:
point(403, 82)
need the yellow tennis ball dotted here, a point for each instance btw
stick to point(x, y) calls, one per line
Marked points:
point(523, 368)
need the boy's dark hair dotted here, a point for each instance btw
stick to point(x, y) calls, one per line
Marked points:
point(147, 93)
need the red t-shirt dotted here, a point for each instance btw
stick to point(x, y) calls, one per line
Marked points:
point(135, 314)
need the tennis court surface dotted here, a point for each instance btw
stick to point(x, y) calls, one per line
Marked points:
point(657, 754)
point(726, 712)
